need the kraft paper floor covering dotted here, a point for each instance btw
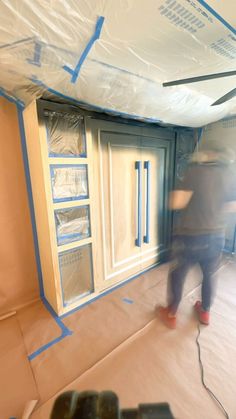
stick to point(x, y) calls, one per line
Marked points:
point(118, 343)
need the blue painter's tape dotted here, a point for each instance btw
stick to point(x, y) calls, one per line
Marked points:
point(93, 107)
point(80, 198)
point(71, 198)
point(217, 16)
point(45, 347)
point(147, 166)
point(64, 330)
point(11, 98)
point(138, 167)
point(37, 55)
point(64, 238)
point(128, 300)
point(96, 35)
point(30, 199)
point(56, 48)
point(68, 156)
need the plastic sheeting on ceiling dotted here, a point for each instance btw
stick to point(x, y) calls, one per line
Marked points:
point(114, 55)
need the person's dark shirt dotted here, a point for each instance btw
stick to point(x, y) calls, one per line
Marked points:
point(213, 185)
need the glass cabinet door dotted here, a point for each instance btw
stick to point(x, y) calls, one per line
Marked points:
point(69, 182)
point(76, 273)
point(65, 134)
point(72, 224)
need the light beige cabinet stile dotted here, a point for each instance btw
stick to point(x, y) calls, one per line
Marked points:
point(93, 207)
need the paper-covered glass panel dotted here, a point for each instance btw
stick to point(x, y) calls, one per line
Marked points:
point(76, 273)
point(69, 182)
point(72, 224)
point(65, 134)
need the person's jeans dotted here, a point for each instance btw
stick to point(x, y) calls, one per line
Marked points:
point(187, 251)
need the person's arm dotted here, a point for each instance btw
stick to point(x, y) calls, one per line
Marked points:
point(230, 207)
point(230, 204)
point(179, 199)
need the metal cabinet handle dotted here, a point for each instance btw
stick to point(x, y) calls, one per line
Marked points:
point(138, 167)
point(147, 166)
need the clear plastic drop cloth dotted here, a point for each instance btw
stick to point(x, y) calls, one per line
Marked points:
point(72, 224)
point(114, 56)
point(69, 182)
point(65, 134)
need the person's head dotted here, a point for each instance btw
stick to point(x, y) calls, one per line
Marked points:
point(217, 154)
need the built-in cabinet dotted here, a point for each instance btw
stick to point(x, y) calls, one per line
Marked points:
point(100, 193)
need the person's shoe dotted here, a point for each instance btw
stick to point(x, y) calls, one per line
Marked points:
point(203, 316)
point(167, 318)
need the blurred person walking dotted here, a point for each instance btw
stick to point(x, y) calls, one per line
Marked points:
point(206, 194)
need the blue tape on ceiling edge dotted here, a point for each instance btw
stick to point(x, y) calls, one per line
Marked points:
point(217, 16)
point(11, 98)
point(94, 107)
point(96, 35)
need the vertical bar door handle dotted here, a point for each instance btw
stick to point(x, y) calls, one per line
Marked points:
point(147, 166)
point(138, 167)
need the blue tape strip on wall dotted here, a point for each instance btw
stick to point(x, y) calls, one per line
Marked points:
point(11, 98)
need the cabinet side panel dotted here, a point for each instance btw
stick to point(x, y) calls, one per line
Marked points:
point(43, 211)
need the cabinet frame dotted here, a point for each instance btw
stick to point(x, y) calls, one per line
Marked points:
point(40, 161)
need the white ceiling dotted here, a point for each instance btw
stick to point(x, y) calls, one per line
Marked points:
point(141, 45)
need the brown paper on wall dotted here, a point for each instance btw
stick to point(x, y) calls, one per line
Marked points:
point(18, 273)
